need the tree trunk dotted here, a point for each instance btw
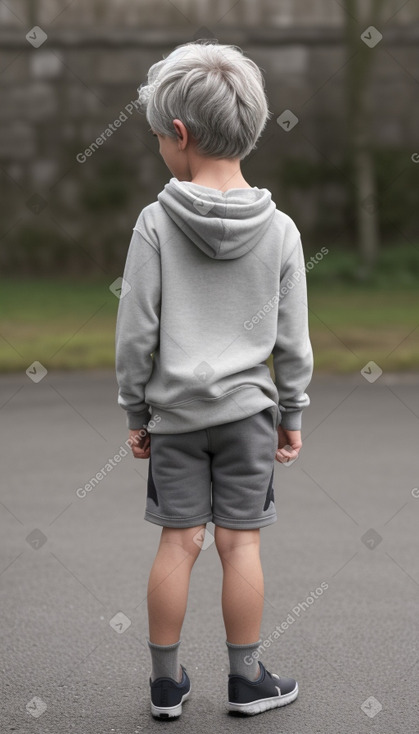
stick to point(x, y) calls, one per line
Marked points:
point(366, 194)
point(359, 128)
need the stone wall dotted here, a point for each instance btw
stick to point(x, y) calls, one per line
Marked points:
point(73, 80)
point(113, 14)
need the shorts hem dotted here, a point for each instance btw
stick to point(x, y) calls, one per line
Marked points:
point(225, 522)
point(174, 522)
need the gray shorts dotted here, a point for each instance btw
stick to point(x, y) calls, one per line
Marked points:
point(223, 474)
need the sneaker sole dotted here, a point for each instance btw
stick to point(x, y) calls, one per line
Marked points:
point(169, 712)
point(264, 704)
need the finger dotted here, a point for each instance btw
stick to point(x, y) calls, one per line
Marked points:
point(134, 441)
point(144, 439)
point(144, 449)
point(288, 450)
point(284, 456)
point(141, 442)
point(141, 454)
point(139, 450)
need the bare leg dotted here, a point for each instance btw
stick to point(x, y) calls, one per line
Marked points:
point(168, 585)
point(243, 586)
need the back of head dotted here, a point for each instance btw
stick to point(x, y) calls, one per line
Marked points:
point(216, 91)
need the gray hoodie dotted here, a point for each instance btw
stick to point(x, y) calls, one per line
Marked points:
point(214, 283)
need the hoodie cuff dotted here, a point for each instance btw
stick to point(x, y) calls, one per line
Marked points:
point(136, 421)
point(291, 421)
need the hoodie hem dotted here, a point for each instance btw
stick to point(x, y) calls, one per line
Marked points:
point(199, 414)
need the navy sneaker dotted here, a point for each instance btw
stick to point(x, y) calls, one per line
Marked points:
point(167, 696)
point(266, 692)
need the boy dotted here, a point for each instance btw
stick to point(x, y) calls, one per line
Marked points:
point(214, 284)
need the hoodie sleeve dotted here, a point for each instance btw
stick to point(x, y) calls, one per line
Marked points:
point(292, 353)
point(137, 327)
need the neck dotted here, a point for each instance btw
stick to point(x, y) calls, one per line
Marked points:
point(221, 174)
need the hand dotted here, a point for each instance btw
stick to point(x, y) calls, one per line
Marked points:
point(139, 440)
point(289, 445)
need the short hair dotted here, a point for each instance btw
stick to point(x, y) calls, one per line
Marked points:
point(216, 91)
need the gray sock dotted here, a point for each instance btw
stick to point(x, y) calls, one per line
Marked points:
point(165, 661)
point(241, 660)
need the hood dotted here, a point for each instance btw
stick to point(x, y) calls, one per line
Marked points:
point(224, 225)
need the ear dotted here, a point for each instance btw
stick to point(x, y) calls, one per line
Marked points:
point(181, 134)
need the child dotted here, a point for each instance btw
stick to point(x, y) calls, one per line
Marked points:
point(214, 283)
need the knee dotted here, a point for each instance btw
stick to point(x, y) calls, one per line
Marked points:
point(185, 540)
point(232, 541)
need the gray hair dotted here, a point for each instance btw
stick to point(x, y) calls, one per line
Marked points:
point(216, 91)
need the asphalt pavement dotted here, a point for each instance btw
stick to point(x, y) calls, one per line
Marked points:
point(341, 567)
